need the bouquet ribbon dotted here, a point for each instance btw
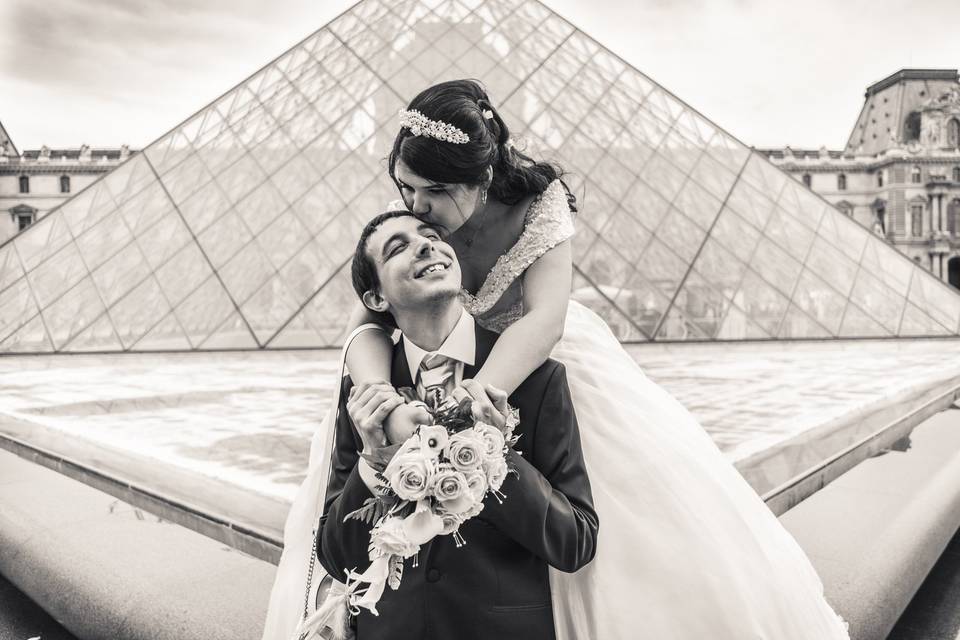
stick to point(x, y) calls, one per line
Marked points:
point(376, 577)
point(331, 620)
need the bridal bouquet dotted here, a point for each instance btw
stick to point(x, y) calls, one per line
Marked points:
point(435, 481)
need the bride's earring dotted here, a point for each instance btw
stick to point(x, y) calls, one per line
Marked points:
point(486, 187)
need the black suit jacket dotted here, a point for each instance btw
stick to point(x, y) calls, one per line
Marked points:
point(496, 586)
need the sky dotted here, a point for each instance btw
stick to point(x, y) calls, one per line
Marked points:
point(770, 72)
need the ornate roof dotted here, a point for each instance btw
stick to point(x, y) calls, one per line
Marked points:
point(882, 123)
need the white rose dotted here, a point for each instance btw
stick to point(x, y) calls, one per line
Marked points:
point(411, 475)
point(466, 450)
point(492, 439)
point(451, 490)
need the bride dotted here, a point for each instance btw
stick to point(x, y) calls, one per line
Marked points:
point(687, 549)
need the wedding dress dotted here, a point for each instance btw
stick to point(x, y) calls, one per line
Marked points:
point(686, 548)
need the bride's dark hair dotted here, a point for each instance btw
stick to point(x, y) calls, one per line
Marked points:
point(462, 103)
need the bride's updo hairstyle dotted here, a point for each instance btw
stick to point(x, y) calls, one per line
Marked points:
point(462, 103)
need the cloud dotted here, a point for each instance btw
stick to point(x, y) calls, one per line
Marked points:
point(127, 70)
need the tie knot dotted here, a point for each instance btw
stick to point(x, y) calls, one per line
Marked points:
point(432, 361)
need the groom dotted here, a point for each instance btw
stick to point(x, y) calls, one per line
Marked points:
point(497, 586)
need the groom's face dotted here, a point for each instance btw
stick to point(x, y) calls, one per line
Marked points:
point(415, 267)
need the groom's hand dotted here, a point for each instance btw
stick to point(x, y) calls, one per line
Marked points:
point(369, 403)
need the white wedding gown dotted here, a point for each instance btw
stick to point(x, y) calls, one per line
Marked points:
point(686, 548)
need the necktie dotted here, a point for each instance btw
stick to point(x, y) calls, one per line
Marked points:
point(435, 379)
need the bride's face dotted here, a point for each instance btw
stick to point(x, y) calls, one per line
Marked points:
point(448, 206)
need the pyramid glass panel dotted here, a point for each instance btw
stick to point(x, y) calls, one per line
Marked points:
point(735, 234)
point(832, 265)
point(54, 277)
point(819, 301)
point(167, 335)
point(72, 313)
point(17, 306)
point(30, 338)
point(115, 278)
point(137, 312)
point(235, 229)
point(10, 268)
point(234, 333)
point(798, 325)
point(46, 237)
point(99, 336)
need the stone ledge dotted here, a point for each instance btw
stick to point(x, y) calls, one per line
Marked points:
point(109, 571)
point(876, 532)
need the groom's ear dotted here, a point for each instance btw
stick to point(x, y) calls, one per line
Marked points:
point(375, 302)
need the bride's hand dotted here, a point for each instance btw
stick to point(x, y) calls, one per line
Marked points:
point(489, 403)
point(403, 421)
point(367, 405)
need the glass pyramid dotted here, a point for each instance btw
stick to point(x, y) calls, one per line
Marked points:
point(235, 229)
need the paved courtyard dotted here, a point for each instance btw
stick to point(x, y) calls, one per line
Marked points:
point(245, 418)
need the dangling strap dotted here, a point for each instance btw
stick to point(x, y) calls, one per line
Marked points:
point(330, 610)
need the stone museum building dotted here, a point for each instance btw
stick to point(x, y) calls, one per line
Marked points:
point(899, 173)
point(38, 180)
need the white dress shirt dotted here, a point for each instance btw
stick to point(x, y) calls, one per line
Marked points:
point(460, 345)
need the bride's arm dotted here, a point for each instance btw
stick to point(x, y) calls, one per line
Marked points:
point(368, 359)
point(527, 343)
point(368, 356)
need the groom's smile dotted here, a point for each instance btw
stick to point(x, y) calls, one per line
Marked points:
point(433, 267)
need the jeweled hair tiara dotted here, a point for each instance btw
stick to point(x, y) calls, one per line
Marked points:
point(420, 125)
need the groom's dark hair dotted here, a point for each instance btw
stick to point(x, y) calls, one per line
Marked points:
point(363, 270)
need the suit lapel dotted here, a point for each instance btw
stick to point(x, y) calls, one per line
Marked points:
point(400, 370)
point(484, 340)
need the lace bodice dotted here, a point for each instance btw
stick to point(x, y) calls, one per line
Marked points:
point(547, 223)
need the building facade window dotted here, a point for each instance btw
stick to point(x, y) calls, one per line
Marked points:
point(880, 178)
point(953, 217)
point(956, 174)
point(916, 220)
point(911, 127)
point(915, 175)
point(23, 216)
point(64, 184)
point(842, 182)
point(24, 220)
point(806, 180)
point(24, 184)
point(880, 224)
point(953, 133)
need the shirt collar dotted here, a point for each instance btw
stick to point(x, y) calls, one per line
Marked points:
point(460, 345)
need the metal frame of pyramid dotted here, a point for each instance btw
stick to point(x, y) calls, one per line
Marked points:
point(234, 229)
